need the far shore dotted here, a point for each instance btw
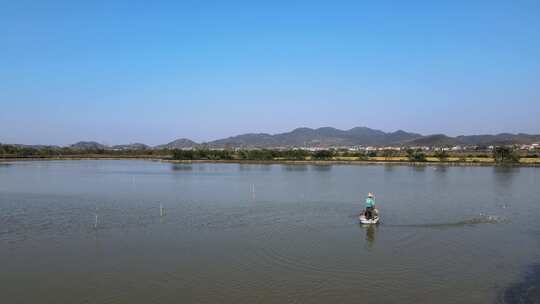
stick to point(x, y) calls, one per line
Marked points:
point(524, 162)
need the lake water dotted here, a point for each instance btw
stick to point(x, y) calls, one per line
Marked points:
point(235, 233)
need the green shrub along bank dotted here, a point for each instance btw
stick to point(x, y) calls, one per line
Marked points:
point(504, 155)
point(10, 151)
point(416, 155)
point(264, 154)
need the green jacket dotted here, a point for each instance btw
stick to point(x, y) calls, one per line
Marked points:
point(370, 202)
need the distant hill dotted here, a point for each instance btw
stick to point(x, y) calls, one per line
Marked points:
point(433, 140)
point(134, 146)
point(325, 136)
point(88, 145)
point(181, 143)
point(499, 139)
point(475, 140)
point(328, 136)
point(246, 140)
point(401, 136)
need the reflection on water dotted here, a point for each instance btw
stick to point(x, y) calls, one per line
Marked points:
point(441, 169)
point(370, 234)
point(506, 169)
point(504, 175)
point(182, 167)
point(419, 167)
point(254, 167)
point(299, 167)
point(322, 168)
point(388, 167)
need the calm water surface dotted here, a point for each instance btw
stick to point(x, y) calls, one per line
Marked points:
point(235, 233)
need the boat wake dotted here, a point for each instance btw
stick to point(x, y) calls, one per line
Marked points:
point(481, 219)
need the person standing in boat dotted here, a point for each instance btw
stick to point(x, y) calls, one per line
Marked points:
point(370, 206)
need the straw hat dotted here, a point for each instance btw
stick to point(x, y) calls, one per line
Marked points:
point(370, 194)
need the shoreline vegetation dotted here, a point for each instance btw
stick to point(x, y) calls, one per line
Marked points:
point(396, 161)
point(499, 156)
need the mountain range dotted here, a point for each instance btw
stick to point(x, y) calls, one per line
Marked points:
point(327, 136)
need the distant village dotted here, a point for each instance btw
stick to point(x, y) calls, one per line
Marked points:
point(457, 148)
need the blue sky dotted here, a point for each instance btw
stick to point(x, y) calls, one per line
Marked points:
point(153, 71)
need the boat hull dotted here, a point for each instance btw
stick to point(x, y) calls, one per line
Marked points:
point(374, 220)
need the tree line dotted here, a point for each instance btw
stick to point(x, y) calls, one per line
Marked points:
point(8, 151)
point(499, 154)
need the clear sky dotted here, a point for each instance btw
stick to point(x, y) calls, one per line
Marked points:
point(153, 71)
